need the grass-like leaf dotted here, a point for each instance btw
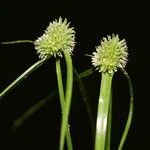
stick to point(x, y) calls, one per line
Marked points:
point(130, 114)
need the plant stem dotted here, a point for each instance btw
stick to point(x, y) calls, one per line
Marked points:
point(102, 114)
point(68, 95)
point(108, 136)
point(17, 42)
point(130, 114)
point(87, 72)
point(62, 100)
point(21, 77)
point(60, 83)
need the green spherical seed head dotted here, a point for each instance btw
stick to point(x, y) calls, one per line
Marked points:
point(58, 37)
point(110, 55)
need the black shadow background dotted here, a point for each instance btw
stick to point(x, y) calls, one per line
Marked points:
point(27, 19)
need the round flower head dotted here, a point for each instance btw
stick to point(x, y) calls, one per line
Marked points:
point(58, 37)
point(110, 55)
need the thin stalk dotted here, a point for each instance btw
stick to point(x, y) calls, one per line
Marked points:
point(68, 95)
point(21, 77)
point(17, 42)
point(86, 101)
point(108, 136)
point(60, 83)
point(130, 114)
point(103, 109)
point(62, 100)
point(87, 72)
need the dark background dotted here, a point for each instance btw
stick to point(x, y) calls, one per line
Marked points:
point(27, 19)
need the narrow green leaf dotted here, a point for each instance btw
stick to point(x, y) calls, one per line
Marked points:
point(130, 114)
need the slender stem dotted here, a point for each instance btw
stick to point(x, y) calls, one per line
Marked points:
point(130, 114)
point(108, 136)
point(21, 77)
point(17, 42)
point(102, 114)
point(86, 102)
point(87, 72)
point(62, 100)
point(60, 83)
point(68, 95)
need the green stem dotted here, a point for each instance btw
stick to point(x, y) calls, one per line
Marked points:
point(87, 72)
point(60, 83)
point(102, 114)
point(21, 77)
point(17, 42)
point(108, 136)
point(130, 114)
point(62, 100)
point(68, 95)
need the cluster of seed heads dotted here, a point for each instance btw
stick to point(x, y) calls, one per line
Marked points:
point(58, 37)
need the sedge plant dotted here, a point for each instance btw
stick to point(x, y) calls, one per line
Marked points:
point(58, 41)
point(109, 56)
point(39, 105)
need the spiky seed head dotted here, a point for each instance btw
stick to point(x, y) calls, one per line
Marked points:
point(110, 55)
point(58, 37)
